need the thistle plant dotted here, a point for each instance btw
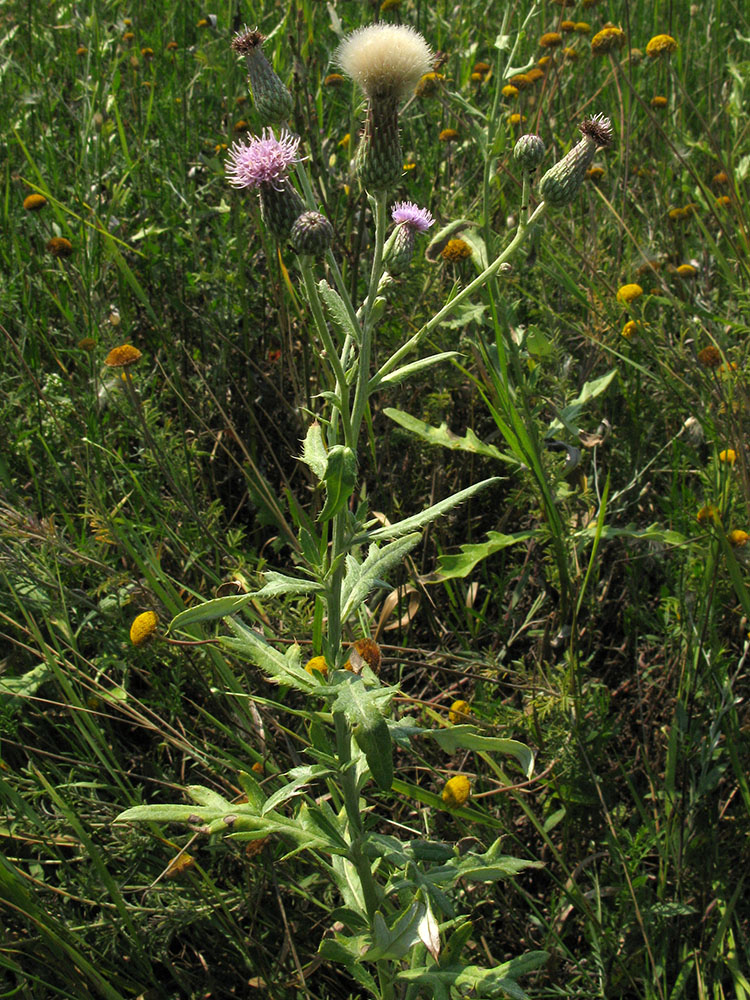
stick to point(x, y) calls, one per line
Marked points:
point(400, 934)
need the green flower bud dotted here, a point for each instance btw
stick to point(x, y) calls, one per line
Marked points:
point(280, 209)
point(561, 183)
point(312, 234)
point(273, 102)
point(529, 151)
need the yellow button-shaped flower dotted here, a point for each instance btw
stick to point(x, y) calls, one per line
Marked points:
point(457, 791)
point(143, 627)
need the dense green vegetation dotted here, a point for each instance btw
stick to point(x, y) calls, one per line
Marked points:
point(590, 603)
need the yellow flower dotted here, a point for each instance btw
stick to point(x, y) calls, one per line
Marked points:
point(687, 271)
point(595, 173)
point(33, 202)
point(709, 357)
point(708, 514)
point(481, 67)
point(723, 201)
point(738, 538)
point(660, 45)
point(147, 53)
point(81, 50)
point(729, 455)
point(455, 250)
point(720, 178)
point(128, 36)
point(550, 40)
point(428, 84)
point(410, 165)
point(516, 119)
point(171, 46)
point(121, 357)
point(456, 791)
point(509, 91)
point(543, 61)
point(241, 126)
point(607, 39)
point(476, 77)
point(345, 141)
point(571, 54)
point(143, 627)
point(567, 26)
point(333, 80)
point(363, 651)
point(629, 330)
point(448, 135)
point(628, 293)
point(459, 712)
point(582, 28)
point(535, 74)
point(658, 101)
point(58, 246)
point(318, 664)
point(520, 81)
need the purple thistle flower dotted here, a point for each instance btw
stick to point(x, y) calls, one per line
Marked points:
point(263, 160)
point(409, 214)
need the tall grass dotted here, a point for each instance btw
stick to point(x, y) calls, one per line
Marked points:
point(593, 605)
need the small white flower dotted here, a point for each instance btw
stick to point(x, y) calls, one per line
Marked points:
point(385, 60)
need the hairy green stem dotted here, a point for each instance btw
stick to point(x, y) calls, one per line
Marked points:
point(342, 389)
point(362, 393)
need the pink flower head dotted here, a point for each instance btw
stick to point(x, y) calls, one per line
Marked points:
point(409, 214)
point(263, 160)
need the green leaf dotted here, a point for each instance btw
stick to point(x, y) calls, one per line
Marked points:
point(456, 942)
point(361, 578)
point(395, 941)
point(337, 311)
point(399, 374)
point(461, 564)
point(568, 417)
point(348, 951)
point(430, 514)
point(300, 776)
point(27, 684)
point(167, 813)
point(465, 313)
point(283, 668)
point(209, 799)
point(340, 478)
point(454, 738)
point(653, 533)
point(314, 451)
point(362, 708)
point(465, 979)
point(251, 787)
point(279, 583)
point(220, 607)
point(446, 438)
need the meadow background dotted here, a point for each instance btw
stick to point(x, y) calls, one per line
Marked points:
point(604, 619)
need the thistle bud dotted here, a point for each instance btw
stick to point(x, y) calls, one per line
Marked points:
point(529, 151)
point(401, 250)
point(280, 208)
point(561, 183)
point(312, 234)
point(273, 102)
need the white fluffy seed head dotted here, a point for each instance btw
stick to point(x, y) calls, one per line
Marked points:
point(386, 60)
